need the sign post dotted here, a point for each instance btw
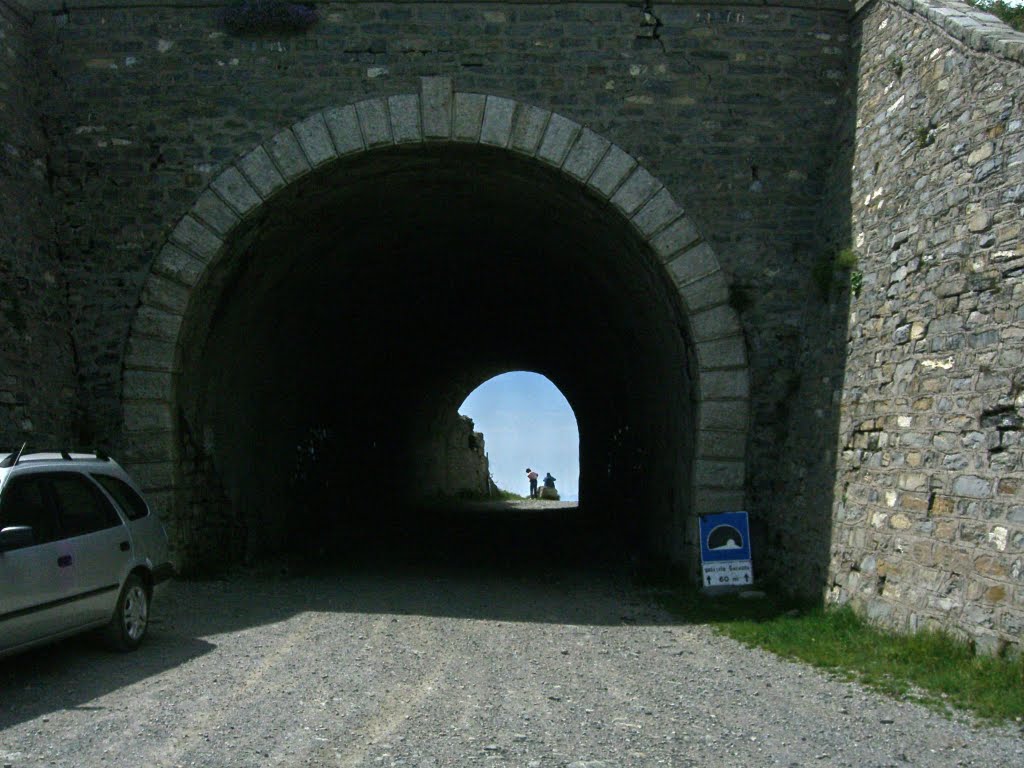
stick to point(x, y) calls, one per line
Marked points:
point(725, 549)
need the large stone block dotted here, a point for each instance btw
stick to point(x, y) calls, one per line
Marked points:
point(196, 237)
point(635, 191)
point(179, 265)
point(147, 417)
point(147, 385)
point(719, 444)
point(725, 385)
point(150, 354)
point(260, 170)
point(708, 291)
point(656, 213)
point(315, 139)
point(469, 115)
point(615, 166)
point(727, 416)
point(496, 128)
point(343, 125)
point(585, 154)
point(374, 122)
point(166, 294)
point(437, 101)
point(558, 137)
point(237, 192)
point(529, 128)
point(405, 118)
point(686, 262)
point(157, 323)
point(215, 213)
point(720, 473)
point(714, 323)
point(287, 154)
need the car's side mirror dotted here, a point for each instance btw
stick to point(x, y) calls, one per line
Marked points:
point(16, 537)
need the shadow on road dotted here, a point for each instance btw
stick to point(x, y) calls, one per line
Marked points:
point(508, 563)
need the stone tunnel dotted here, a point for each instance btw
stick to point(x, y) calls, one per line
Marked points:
point(368, 295)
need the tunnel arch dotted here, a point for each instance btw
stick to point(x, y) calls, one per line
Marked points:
point(534, 425)
point(536, 144)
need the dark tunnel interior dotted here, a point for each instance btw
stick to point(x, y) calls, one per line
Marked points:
point(368, 299)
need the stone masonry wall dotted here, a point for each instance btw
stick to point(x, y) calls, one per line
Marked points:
point(466, 454)
point(929, 513)
point(732, 107)
point(37, 394)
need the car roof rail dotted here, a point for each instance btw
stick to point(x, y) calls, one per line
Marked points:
point(12, 458)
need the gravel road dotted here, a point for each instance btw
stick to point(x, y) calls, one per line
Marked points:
point(450, 665)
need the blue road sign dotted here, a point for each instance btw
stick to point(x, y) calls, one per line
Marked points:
point(725, 549)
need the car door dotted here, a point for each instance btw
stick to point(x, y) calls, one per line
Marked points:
point(98, 544)
point(33, 586)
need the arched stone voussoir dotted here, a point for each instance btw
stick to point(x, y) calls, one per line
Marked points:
point(148, 446)
point(528, 128)
point(404, 110)
point(717, 322)
point(496, 124)
point(196, 237)
point(639, 187)
point(315, 140)
point(147, 416)
point(614, 167)
point(235, 190)
point(287, 154)
point(720, 473)
point(657, 213)
point(559, 136)
point(261, 172)
point(215, 213)
point(585, 155)
point(715, 354)
point(375, 123)
point(178, 265)
point(468, 116)
point(157, 323)
point(708, 500)
point(727, 384)
point(436, 101)
point(144, 354)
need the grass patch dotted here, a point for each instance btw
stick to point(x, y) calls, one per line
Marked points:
point(929, 667)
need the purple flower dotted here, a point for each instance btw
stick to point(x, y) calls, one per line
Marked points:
point(256, 17)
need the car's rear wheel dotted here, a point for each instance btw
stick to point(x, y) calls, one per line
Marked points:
point(128, 625)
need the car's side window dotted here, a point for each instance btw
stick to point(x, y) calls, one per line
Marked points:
point(83, 509)
point(126, 497)
point(24, 503)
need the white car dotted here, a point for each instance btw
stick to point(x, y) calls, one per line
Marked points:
point(79, 550)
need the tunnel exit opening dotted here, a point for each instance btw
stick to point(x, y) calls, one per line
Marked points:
point(525, 424)
point(345, 313)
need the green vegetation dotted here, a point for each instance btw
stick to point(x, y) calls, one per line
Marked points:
point(824, 271)
point(925, 136)
point(929, 667)
point(508, 495)
point(1012, 15)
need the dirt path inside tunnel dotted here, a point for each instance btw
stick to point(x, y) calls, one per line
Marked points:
point(450, 666)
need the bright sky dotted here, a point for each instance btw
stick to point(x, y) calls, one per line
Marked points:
point(527, 422)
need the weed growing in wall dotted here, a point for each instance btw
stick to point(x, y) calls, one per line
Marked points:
point(925, 136)
point(825, 268)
